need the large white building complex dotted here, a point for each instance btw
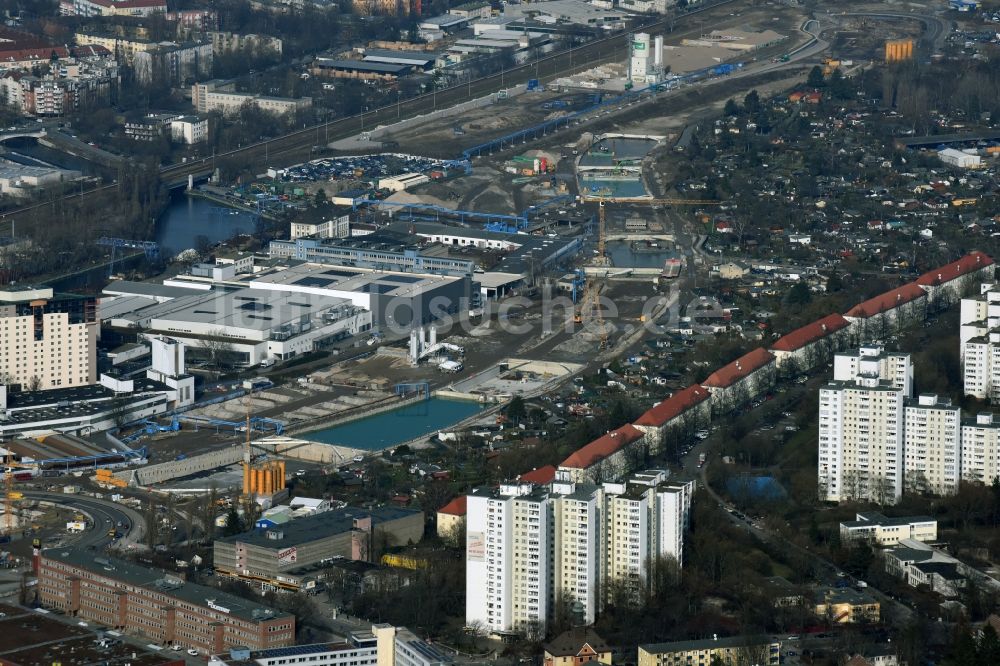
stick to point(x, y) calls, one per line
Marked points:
point(861, 426)
point(534, 551)
point(877, 442)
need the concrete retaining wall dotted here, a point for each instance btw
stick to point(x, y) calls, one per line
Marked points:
point(301, 449)
point(178, 468)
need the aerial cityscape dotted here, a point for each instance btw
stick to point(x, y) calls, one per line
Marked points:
point(468, 332)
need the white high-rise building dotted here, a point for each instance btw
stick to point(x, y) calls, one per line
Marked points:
point(47, 340)
point(576, 534)
point(979, 343)
point(874, 361)
point(507, 559)
point(645, 518)
point(981, 448)
point(533, 552)
point(861, 427)
point(932, 445)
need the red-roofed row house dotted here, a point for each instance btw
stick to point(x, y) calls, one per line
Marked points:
point(889, 311)
point(811, 345)
point(680, 415)
point(947, 284)
point(742, 380)
point(607, 457)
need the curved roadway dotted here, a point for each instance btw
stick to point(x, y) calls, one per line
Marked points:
point(103, 516)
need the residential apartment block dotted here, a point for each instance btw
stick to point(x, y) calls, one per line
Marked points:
point(861, 427)
point(47, 340)
point(218, 96)
point(506, 559)
point(736, 383)
point(155, 605)
point(979, 340)
point(534, 551)
point(226, 42)
point(981, 448)
point(932, 445)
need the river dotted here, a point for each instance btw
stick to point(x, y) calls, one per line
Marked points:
point(185, 219)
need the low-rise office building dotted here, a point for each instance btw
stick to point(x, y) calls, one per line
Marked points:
point(882, 531)
point(731, 650)
point(844, 605)
point(156, 605)
point(384, 645)
point(271, 557)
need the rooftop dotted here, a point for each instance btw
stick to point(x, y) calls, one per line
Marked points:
point(456, 507)
point(362, 66)
point(570, 643)
point(703, 644)
point(163, 582)
point(739, 369)
point(956, 269)
point(675, 405)
point(316, 278)
point(130, 288)
point(318, 526)
point(602, 447)
point(540, 475)
point(887, 301)
point(810, 333)
point(874, 518)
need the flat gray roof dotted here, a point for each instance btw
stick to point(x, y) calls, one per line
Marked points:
point(362, 66)
point(312, 528)
point(130, 288)
point(349, 279)
point(163, 583)
point(257, 309)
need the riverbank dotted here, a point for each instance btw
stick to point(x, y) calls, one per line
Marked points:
point(227, 202)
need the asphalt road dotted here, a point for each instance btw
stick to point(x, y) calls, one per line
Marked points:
point(103, 516)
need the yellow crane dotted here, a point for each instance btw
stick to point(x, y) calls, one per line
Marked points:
point(591, 301)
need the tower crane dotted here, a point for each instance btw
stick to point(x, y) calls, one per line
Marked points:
point(590, 198)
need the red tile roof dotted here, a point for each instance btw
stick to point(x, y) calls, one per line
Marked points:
point(602, 447)
point(956, 269)
point(810, 333)
point(677, 404)
point(742, 367)
point(887, 301)
point(41, 54)
point(539, 476)
point(456, 507)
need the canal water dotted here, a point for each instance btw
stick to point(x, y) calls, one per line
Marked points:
point(187, 222)
point(397, 426)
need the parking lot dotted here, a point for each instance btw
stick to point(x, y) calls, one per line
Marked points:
point(358, 167)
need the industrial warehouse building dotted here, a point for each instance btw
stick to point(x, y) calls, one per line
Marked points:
point(397, 301)
point(252, 324)
point(156, 605)
point(276, 557)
